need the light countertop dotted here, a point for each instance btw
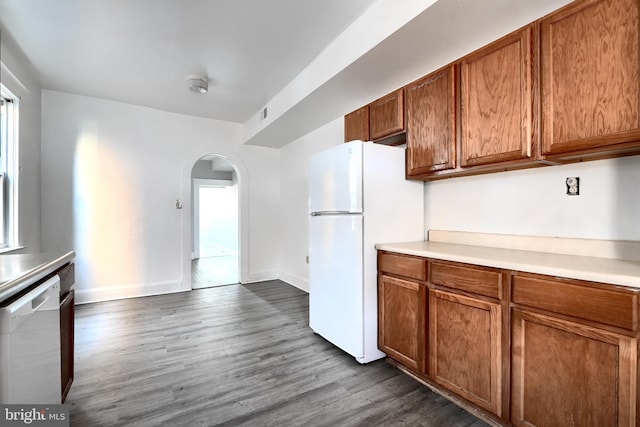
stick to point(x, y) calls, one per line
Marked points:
point(19, 271)
point(597, 269)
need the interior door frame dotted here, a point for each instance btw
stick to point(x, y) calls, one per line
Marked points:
point(187, 217)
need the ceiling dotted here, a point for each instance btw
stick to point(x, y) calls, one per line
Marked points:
point(142, 51)
point(256, 53)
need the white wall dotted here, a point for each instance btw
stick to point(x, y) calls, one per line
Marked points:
point(534, 202)
point(294, 240)
point(17, 76)
point(529, 202)
point(111, 173)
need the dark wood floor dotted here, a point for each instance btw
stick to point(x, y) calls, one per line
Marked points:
point(238, 355)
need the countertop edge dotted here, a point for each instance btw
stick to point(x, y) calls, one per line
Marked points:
point(12, 287)
point(601, 270)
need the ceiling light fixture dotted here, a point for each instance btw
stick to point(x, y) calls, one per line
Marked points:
point(198, 84)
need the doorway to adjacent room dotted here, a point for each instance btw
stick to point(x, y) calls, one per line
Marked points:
point(215, 249)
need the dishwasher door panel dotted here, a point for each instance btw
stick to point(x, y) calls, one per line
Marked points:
point(30, 347)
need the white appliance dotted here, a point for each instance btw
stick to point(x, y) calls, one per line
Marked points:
point(358, 196)
point(30, 370)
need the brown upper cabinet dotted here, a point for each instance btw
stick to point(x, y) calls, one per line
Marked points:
point(496, 101)
point(487, 123)
point(356, 125)
point(589, 78)
point(386, 115)
point(563, 89)
point(431, 123)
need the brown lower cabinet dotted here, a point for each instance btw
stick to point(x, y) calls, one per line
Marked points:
point(402, 308)
point(465, 348)
point(566, 373)
point(402, 320)
point(515, 348)
point(67, 321)
point(67, 341)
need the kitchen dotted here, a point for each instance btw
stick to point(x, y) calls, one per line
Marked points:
point(132, 242)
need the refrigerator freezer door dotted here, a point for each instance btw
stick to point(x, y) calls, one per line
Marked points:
point(336, 280)
point(335, 179)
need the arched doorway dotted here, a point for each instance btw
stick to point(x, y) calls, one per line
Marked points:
point(215, 253)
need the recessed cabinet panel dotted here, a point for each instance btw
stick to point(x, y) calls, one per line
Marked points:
point(465, 347)
point(356, 125)
point(566, 374)
point(431, 123)
point(386, 115)
point(590, 73)
point(497, 101)
point(402, 309)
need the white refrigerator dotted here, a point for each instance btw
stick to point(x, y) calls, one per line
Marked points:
point(358, 196)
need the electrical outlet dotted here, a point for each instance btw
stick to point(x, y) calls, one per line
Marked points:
point(573, 185)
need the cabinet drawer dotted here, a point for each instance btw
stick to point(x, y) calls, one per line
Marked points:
point(574, 298)
point(403, 265)
point(67, 278)
point(478, 280)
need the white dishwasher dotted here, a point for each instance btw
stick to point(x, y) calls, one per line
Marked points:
point(30, 346)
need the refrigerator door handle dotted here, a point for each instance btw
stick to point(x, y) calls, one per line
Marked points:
point(333, 213)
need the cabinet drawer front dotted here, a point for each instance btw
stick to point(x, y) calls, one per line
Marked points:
point(67, 278)
point(573, 298)
point(478, 280)
point(402, 265)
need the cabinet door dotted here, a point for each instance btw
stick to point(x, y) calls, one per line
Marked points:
point(590, 73)
point(565, 373)
point(356, 125)
point(431, 123)
point(67, 341)
point(465, 347)
point(386, 115)
point(402, 317)
point(496, 101)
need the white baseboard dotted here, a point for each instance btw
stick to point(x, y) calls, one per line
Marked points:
point(84, 296)
point(261, 276)
point(293, 280)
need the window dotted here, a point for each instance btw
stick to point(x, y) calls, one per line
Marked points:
point(8, 169)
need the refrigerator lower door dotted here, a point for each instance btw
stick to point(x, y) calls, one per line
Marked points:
point(336, 280)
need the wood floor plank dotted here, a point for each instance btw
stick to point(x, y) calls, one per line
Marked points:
point(238, 355)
